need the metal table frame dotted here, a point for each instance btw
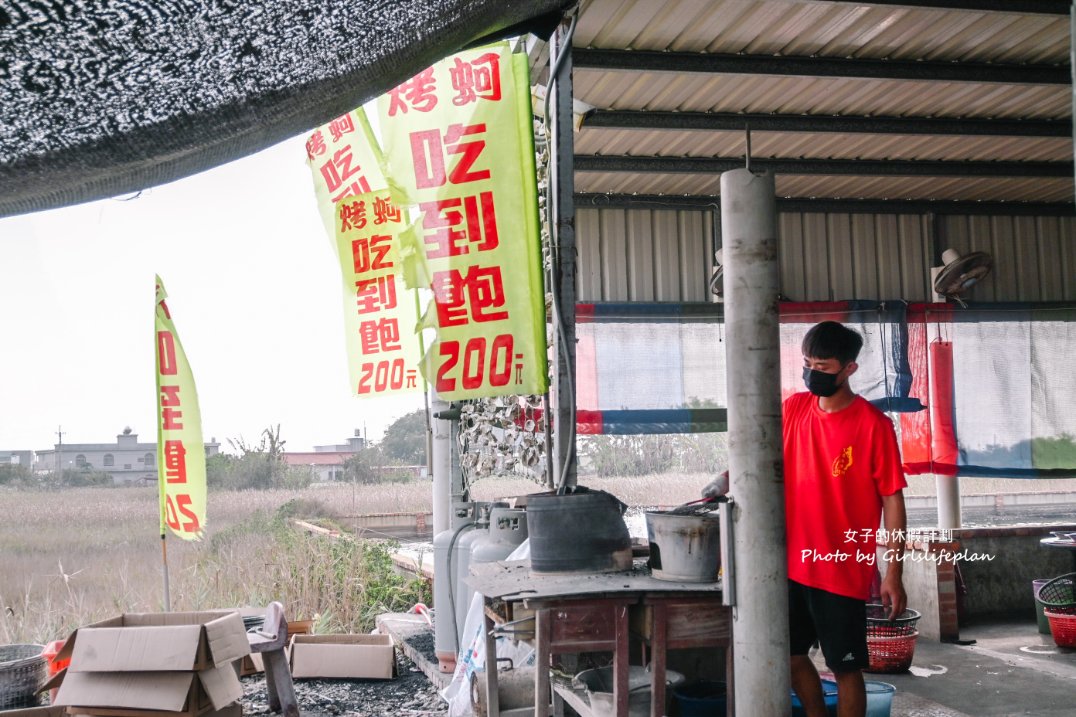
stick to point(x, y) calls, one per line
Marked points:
point(592, 613)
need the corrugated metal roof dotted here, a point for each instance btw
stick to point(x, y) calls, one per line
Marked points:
point(703, 143)
point(825, 96)
point(797, 27)
point(800, 28)
point(840, 187)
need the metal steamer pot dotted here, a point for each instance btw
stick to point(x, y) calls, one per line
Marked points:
point(580, 531)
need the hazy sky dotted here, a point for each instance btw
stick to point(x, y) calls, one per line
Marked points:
point(254, 289)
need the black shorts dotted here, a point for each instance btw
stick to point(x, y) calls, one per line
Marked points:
point(839, 623)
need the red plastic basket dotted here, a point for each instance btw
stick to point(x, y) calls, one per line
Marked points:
point(1062, 625)
point(51, 650)
point(890, 653)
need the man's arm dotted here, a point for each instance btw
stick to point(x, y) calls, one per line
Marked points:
point(895, 520)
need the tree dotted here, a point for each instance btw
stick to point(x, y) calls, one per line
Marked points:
point(362, 467)
point(259, 466)
point(15, 474)
point(405, 439)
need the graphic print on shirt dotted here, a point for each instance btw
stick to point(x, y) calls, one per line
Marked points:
point(842, 463)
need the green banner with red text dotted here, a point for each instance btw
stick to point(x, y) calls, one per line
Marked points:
point(458, 140)
point(180, 451)
point(344, 161)
point(380, 313)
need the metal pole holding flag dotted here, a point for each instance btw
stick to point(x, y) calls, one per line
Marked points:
point(164, 569)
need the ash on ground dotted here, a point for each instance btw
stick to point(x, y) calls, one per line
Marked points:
point(410, 694)
point(423, 642)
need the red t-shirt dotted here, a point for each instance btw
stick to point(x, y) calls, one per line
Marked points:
point(837, 468)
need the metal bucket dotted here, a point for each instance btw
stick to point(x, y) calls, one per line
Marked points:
point(582, 531)
point(598, 684)
point(684, 548)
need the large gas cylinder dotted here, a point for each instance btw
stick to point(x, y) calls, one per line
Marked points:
point(461, 568)
point(444, 625)
point(507, 531)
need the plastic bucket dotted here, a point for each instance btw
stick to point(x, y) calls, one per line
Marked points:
point(684, 548)
point(702, 699)
point(599, 687)
point(1040, 616)
point(829, 695)
point(879, 698)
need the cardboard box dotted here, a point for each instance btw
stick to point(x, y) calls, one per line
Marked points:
point(252, 664)
point(143, 665)
point(175, 694)
point(343, 656)
point(155, 642)
point(233, 710)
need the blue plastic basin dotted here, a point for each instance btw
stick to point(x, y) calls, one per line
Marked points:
point(879, 699)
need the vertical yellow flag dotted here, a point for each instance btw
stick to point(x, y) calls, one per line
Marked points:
point(379, 311)
point(180, 451)
point(345, 161)
point(459, 145)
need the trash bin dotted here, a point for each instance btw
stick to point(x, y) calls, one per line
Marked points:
point(1044, 623)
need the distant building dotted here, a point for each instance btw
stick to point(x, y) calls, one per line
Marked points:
point(126, 460)
point(354, 444)
point(326, 463)
point(17, 458)
point(324, 466)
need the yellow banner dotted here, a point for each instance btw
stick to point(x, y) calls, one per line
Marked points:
point(380, 313)
point(344, 161)
point(459, 145)
point(180, 451)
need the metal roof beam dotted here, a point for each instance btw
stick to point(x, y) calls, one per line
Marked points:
point(843, 206)
point(1021, 7)
point(843, 124)
point(858, 167)
point(922, 70)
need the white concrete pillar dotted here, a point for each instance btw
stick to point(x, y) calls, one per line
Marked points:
point(752, 350)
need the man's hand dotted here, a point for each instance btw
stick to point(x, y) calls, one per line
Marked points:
point(895, 519)
point(893, 595)
point(717, 487)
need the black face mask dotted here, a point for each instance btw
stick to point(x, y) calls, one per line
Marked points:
point(820, 383)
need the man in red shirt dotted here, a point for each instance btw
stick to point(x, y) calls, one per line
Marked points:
point(842, 472)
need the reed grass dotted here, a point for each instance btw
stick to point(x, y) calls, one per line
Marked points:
point(73, 556)
point(70, 557)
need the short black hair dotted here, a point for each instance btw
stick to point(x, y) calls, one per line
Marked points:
point(830, 339)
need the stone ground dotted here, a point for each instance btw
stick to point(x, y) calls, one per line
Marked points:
point(411, 694)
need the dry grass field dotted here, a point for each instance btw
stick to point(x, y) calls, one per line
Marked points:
point(68, 557)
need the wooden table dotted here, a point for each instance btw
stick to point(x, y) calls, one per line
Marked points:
point(597, 612)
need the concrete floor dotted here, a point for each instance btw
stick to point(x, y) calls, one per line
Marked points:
point(1010, 670)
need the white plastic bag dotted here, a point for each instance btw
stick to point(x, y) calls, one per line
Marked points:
point(472, 658)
